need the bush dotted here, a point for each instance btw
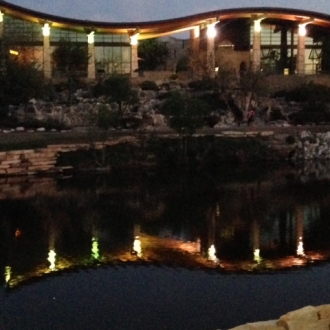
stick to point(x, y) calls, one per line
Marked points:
point(149, 85)
point(202, 85)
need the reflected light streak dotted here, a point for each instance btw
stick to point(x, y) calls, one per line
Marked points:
point(300, 248)
point(256, 256)
point(212, 253)
point(7, 274)
point(51, 258)
point(137, 246)
point(95, 249)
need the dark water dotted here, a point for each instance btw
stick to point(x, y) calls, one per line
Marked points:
point(159, 250)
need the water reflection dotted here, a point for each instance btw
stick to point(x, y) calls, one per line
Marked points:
point(191, 222)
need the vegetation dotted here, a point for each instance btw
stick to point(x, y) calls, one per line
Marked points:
point(19, 82)
point(71, 57)
point(153, 54)
point(117, 89)
point(185, 115)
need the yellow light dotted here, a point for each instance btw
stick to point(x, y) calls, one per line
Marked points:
point(257, 25)
point(256, 255)
point(137, 246)
point(134, 39)
point(1, 17)
point(300, 248)
point(46, 30)
point(212, 253)
point(196, 32)
point(211, 31)
point(7, 273)
point(90, 37)
point(13, 52)
point(302, 30)
point(52, 259)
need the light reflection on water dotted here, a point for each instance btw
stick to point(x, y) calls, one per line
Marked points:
point(261, 226)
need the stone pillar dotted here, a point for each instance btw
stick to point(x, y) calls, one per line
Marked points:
point(1, 25)
point(194, 49)
point(2, 48)
point(46, 52)
point(284, 49)
point(210, 50)
point(300, 65)
point(256, 52)
point(91, 72)
point(134, 54)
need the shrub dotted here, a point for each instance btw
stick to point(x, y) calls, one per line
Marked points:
point(149, 85)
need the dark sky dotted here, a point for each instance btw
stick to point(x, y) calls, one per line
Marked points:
point(145, 10)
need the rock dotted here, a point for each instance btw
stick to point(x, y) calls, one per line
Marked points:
point(305, 314)
point(323, 311)
point(308, 325)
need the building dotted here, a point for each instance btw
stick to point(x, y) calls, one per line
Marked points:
point(278, 40)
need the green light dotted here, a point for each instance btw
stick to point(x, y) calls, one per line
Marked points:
point(95, 249)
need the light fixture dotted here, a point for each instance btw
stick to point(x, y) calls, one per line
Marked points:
point(1, 17)
point(302, 29)
point(46, 30)
point(211, 31)
point(90, 37)
point(15, 52)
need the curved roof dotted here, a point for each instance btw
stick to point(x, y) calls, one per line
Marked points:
point(164, 27)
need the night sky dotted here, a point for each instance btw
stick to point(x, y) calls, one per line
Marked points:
point(146, 10)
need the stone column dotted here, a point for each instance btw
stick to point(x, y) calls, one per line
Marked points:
point(134, 54)
point(210, 51)
point(1, 25)
point(300, 64)
point(46, 52)
point(256, 52)
point(91, 72)
point(2, 50)
point(194, 49)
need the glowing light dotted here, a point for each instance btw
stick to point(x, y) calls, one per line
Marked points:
point(256, 255)
point(51, 258)
point(257, 25)
point(134, 39)
point(212, 253)
point(300, 248)
point(46, 30)
point(1, 17)
point(137, 246)
point(196, 32)
point(90, 37)
point(211, 31)
point(302, 30)
point(95, 249)
point(7, 274)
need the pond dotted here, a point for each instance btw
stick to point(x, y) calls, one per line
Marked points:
point(162, 250)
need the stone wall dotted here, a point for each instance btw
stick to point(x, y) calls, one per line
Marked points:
point(291, 146)
point(306, 318)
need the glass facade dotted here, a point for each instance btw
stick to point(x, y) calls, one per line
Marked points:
point(112, 52)
point(279, 49)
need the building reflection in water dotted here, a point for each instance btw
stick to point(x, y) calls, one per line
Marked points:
point(229, 231)
point(95, 249)
point(52, 259)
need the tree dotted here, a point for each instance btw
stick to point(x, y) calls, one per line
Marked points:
point(20, 81)
point(71, 57)
point(153, 54)
point(185, 115)
point(117, 89)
